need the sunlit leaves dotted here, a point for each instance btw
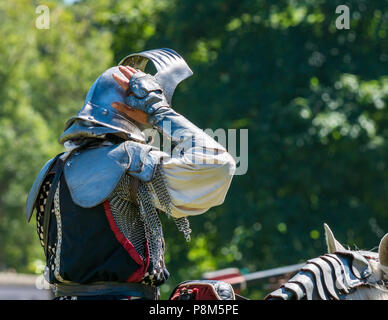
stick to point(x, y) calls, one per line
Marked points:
point(44, 76)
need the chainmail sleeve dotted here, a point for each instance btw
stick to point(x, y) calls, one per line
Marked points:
point(136, 206)
point(159, 186)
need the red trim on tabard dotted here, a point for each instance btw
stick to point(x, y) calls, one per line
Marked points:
point(138, 275)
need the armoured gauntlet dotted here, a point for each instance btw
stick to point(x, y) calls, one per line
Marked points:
point(147, 95)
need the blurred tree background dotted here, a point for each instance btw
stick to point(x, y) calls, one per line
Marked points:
point(313, 98)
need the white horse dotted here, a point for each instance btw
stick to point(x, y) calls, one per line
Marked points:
point(341, 274)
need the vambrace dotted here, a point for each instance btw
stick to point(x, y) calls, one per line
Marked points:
point(179, 129)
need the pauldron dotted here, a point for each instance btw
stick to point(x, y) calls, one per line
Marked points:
point(93, 174)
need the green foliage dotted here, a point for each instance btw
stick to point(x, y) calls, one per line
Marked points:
point(44, 75)
point(314, 101)
point(313, 98)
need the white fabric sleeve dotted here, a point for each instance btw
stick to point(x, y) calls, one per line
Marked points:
point(198, 175)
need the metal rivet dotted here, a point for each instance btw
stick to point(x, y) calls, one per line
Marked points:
point(365, 273)
point(105, 112)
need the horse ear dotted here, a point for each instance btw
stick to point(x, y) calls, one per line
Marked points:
point(332, 244)
point(383, 252)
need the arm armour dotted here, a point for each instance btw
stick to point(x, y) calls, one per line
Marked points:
point(148, 97)
point(86, 171)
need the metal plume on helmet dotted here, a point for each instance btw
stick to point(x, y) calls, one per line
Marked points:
point(98, 118)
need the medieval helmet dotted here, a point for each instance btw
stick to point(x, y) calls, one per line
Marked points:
point(98, 118)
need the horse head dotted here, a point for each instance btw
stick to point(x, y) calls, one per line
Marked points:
point(341, 274)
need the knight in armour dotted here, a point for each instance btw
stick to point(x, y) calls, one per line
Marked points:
point(98, 204)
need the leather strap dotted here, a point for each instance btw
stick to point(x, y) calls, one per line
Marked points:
point(49, 202)
point(107, 288)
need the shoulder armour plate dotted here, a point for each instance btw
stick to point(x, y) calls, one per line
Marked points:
point(33, 194)
point(93, 174)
